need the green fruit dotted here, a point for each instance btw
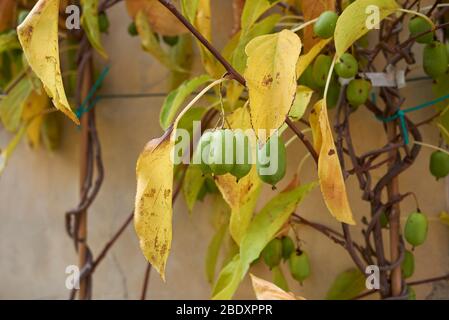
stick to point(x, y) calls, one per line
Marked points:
point(439, 164)
point(272, 167)
point(221, 160)
point(132, 29)
point(288, 247)
point(418, 25)
point(415, 230)
point(171, 41)
point(435, 59)
point(272, 253)
point(22, 15)
point(347, 67)
point(103, 22)
point(411, 293)
point(299, 266)
point(333, 93)
point(358, 91)
point(242, 154)
point(321, 68)
point(408, 264)
point(306, 78)
point(201, 155)
point(325, 25)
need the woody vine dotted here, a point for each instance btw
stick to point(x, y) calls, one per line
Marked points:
point(285, 66)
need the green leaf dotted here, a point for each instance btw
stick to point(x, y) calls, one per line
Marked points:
point(252, 11)
point(302, 99)
point(279, 278)
point(191, 186)
point(9, 41)
point(11, 107)
point(176, 98)
point(347, 285)
point(89, 20)
point(439, 89)
point(181, 55)
point(351, 25)
point(150, 43)
point(262, 229)
point(212, 252)
point(6, 153)
point(189, 9)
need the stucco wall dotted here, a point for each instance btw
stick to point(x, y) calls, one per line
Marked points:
point(38, 187)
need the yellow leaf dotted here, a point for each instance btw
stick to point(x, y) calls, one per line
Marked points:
point(271, 79)
point(329, 170)
point(160, 18)
point(35, 104)
point(266, 290)
point(38, 35)
point(153, 205)
point(203, 25)
point(90, 24)
point(311, 10)
point(351, 25)
point(306, 59)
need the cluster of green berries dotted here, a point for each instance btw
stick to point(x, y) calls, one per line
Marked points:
point(225, 151)
point(284, 248)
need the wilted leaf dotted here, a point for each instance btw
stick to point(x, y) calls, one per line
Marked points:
point(160, 18)
point(252, 10)
point(35, 105)
point(90, 24)
point(312, 9)
point(302, 99)
point(271, 79)
point(212, 252)
point(9, 41)
point(38, 35)
point(6, 153)
point(306, 59)
point(329, 170)
point(176, 98)
point(265, 290)
point(150, 43)
point(192, 184)
point(351, 25)
point(347, 285)
point(262, 229)
point(11, 107)
point(279, 278)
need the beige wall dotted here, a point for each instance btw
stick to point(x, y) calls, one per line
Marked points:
point(38, 187)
